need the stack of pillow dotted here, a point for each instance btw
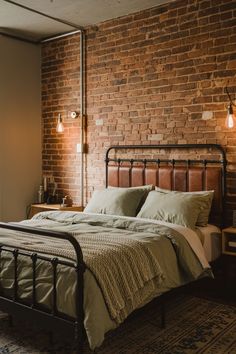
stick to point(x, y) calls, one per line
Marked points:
point(189, 209)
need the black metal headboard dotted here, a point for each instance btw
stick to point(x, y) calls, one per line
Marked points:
point(186, 174)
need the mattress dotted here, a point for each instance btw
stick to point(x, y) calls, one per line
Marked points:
point(211, 235)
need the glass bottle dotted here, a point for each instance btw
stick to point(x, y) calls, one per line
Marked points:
point(41, 195)
point(45, 189)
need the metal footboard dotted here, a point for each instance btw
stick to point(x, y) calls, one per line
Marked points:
point(46, 318)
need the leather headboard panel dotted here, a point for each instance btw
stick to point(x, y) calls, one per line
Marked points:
point(195, 179)
point(137, 176)
point(124, 176)
point(178, 178)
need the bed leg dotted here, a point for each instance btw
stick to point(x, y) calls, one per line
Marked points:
point(163, 313)
point(50, 336)
point(10, 321)
point(51, 342)
point(79, 342)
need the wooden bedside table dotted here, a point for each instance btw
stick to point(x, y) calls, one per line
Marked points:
point(229, 241)
point(37, 208)
point(229, 260)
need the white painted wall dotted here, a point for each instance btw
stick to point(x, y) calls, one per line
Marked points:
point(20, 127)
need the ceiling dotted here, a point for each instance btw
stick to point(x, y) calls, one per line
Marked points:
point(27, 24)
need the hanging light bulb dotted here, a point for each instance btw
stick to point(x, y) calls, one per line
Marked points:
point(230, 120)
point(60, 126)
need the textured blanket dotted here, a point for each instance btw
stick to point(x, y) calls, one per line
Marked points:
point(120, 253)
point(121, 265)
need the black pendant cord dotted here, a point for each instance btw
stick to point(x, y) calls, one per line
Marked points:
point(230, 99)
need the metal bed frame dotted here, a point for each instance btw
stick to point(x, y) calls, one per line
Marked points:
point(47, 318)
point(188, 162)
point(222, 161)
point(52, 318)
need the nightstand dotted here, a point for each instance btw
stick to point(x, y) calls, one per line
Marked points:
point(229, 260)
point(229, 241)
point(37, 208)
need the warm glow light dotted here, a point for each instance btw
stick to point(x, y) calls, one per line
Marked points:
point(230, 120)
point(60, 126)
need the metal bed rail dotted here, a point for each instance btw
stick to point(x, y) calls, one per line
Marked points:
point(173, 162)
point(50, 318)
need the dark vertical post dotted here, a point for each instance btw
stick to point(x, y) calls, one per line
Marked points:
point(173, 174)
point(204, 175)
point(157, 176)
point(144, 169)
point(130, 172)
point(119, 162)
point(34, 259)
point(15, 254)
point(79, 323)
point(54, 262)
point(187, 176)
point(107, 162)
point(224, 187)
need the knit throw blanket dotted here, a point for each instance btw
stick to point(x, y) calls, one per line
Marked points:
point(126, 270)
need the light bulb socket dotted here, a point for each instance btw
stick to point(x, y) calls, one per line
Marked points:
point(230, 109)
point(74, 114)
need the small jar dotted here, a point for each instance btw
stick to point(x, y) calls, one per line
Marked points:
point(67, 201)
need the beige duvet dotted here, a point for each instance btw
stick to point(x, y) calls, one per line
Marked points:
point(155, 257)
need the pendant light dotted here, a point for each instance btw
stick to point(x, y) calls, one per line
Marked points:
point(230, 119)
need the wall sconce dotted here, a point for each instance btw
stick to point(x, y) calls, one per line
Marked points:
point(74, 114)
point(230, 119)
point(60, 125)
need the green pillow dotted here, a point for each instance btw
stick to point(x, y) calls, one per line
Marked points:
point(116, 201)
point(207, 197)
point(147, 188)
point(176, 208)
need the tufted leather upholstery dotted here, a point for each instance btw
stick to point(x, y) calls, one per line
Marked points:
point(179, 178)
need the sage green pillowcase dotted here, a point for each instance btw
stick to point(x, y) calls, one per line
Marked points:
point(147, 188)
point(116, 201)
point(205, 196)
point(176, 208)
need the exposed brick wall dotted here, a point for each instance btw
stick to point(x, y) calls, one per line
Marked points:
point(157, 76)
point(60, 94)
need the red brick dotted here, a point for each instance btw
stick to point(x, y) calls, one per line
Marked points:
point(149, 73)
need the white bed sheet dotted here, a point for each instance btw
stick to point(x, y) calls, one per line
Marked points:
point(211, 241)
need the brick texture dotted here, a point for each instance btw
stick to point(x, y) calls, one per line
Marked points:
point(157, 76)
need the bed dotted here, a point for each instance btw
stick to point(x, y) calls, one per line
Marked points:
point(211, 241)
point(63, 269)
